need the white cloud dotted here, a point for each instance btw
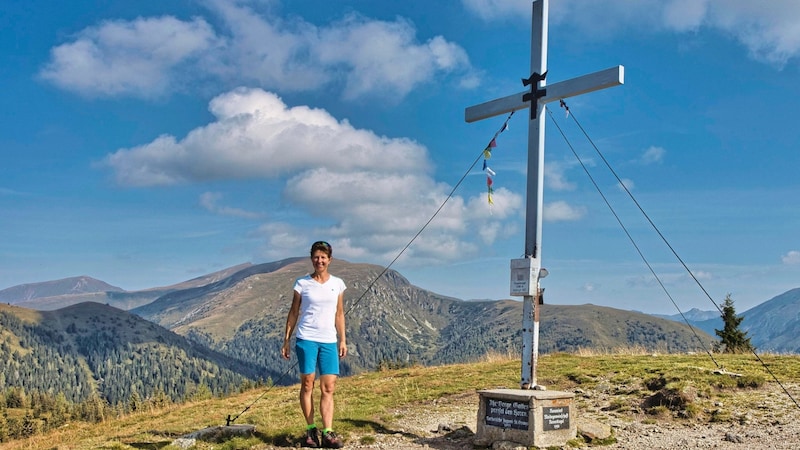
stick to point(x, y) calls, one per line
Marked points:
point(703, 275)
point(281, 239)
point(257, 135)
point(210, 201)
point(791, 258)
point(150, 57)
point(627, 184)
point(371, 53)
point(496, 9)
point(555, 176)
point(769, 30)
point(653, 155)
point(562, 211)
point(370, 194)
point(143, 57)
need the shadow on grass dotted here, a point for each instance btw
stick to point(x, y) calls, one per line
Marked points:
point(378, 428)
point(164, 439)
point(278, 440)
point(149, 445)
point(458, 438)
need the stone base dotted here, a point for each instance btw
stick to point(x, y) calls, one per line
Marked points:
point(529, 417)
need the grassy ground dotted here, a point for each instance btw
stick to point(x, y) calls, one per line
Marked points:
point(663, 387)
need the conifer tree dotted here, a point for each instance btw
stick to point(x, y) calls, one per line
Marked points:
point(732, 338)
point(3, 426)
point(134, 402)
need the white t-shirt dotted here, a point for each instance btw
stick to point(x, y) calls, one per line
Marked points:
point(317, 321)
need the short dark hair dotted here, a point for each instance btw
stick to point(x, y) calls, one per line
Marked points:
point(322, 246)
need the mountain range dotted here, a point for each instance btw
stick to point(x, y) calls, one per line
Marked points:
point(232, 322)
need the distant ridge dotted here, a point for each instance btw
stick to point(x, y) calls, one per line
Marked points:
point(772, 326)
point(66, 286)
point(692, 315)
point(52, 295)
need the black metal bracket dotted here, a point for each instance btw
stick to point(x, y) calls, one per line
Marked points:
point(535, 93)
point(534, 78)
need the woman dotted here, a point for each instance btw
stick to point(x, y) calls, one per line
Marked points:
point(317, 314)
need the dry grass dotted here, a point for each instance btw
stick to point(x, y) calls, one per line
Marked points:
point(678, 387)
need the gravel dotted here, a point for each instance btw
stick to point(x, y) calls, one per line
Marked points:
point(449, 424)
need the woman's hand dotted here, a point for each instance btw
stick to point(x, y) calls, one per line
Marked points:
point(285, 352)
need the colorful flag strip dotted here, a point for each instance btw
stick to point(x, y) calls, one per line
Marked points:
point(487, 154)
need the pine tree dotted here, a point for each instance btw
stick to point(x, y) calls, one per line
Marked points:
point(134, 402)
point(3, 425)
point(732, 338)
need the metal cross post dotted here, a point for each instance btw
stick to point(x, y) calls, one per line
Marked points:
point(526, 273)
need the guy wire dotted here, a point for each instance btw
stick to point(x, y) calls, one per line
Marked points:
point(666, 242)
point(633, 241)
point(230, 419)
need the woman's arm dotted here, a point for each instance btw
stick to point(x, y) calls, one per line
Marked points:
point(340, 327)
point(291, 322)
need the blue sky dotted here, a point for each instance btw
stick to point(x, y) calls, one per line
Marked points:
point(145, 143)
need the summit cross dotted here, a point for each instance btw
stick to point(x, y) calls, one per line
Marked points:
point(526, 272)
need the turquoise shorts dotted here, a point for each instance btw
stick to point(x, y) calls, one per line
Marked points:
point(316, 355)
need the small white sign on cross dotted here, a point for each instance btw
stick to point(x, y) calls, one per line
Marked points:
point(536, 98)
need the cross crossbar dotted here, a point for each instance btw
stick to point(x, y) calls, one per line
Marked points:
point(613, 76)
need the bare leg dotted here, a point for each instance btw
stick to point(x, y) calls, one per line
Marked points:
point(307, 397)
point(327, 385)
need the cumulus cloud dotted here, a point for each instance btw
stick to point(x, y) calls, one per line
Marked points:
point(144, 57)
point(791, 258)
point(256, 135)
point(768, 29)
point(368, 51)
point(368, 193)
point(150, 57)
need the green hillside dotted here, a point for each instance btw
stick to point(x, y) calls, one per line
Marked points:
point(91, 350)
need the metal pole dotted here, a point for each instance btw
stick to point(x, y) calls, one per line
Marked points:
point(535, 189)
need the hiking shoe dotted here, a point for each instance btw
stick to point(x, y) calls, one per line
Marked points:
point(331, 440)
point(311, 439)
